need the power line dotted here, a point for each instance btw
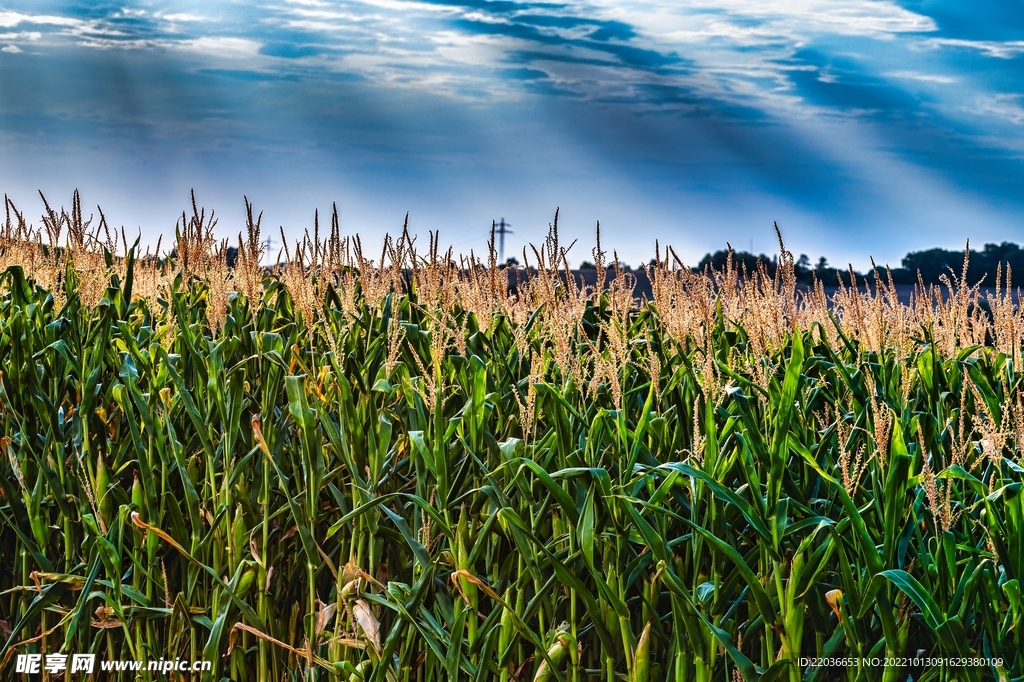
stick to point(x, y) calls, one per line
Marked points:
point(501, 230)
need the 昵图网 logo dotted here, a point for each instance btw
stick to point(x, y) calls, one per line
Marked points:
point(34, 664)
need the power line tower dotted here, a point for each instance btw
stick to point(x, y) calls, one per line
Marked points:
point(267, 244)
point(501, 230)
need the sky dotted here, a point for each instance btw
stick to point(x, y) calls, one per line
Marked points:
point(865, 128)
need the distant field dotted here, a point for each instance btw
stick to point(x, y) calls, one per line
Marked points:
point(642, 285)
point(397, 471)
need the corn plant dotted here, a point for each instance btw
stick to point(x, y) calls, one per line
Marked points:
point(398, 470)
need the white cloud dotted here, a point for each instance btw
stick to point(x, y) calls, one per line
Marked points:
point(108, 44)
point(182, 17)
point(320, 18)
point(21, 35)
point(827, 76)
point(1005, 49)
point(12, 19)
point(408, 5)
point(743, 20)
point(923, 77)
point(857, 17)
point(219, 46)
point(1004, 105)
point(13, 49)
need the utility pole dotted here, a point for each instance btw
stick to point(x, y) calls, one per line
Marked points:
point(267, 244)
point(501, 231)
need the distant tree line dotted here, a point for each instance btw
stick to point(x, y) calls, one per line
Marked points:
point(932, 264)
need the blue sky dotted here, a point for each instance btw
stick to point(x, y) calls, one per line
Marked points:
point(864, 127)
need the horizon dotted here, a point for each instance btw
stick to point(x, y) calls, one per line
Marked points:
point(897, 125)
point(274, 250)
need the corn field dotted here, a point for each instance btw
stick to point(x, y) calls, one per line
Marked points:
point(397, 469)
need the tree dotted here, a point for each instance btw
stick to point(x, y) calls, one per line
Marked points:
point(741, 260)
point(802, 268)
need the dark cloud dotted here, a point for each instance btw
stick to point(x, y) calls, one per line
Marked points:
point(618, 54)
point(290, 50)
point(597, 30)
point(976, 20)
point(244, 75)
point(842, 84)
